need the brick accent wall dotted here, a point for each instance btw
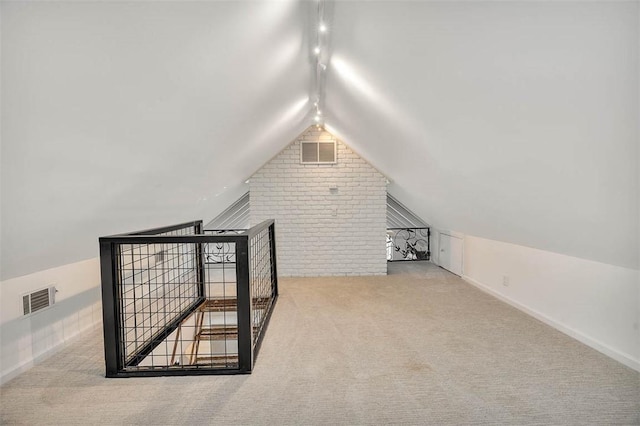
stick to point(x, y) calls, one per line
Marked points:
point(330, 219)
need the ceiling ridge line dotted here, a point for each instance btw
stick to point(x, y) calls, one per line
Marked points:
point(321, 30)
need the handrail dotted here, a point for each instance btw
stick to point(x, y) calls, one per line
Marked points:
point(172, 239)
point(259, 227)
point(160, 230)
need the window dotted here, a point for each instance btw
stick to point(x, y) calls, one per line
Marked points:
point(318, 152)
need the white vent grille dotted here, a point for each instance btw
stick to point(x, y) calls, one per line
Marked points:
point(318, 152)
point(38, 300)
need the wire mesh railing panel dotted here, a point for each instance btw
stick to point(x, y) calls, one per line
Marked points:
point(157, 283)
point(261, 280)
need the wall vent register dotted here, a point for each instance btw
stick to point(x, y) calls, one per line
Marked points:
point(38, 300)
point(318, 152)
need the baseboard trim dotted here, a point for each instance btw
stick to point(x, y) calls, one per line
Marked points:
point(37, 359)
point(621, 357)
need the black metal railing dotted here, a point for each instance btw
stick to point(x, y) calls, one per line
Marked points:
point(408, 244)
point(179, 300)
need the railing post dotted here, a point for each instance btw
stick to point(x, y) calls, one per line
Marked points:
point(274, 269)
point(200, 260)
point(243, 292)
point(108, 257)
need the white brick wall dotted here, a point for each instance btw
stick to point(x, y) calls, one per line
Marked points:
point(311, 241)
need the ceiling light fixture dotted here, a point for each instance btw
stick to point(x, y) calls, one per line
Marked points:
point(319, 49)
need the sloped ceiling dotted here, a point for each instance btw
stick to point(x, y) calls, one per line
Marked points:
point(119, 116)
point(516, 121)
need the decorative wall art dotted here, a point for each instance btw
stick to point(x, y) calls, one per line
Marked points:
point(408, 244)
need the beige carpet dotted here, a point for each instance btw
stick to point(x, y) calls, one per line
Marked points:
point(419, 346)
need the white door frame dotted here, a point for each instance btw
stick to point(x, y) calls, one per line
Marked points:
point(453, 268)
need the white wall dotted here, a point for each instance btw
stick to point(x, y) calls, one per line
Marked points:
point(593, 302)
point(26, 339)
point(515, 121)
point(310, 240)
point(118, 116)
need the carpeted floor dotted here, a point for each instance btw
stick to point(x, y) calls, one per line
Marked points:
point(418, 346)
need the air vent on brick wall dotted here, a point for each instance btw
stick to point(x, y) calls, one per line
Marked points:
point(38, 300)
point(317, 152)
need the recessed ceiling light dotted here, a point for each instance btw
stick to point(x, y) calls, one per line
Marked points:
point(323, 28)
point(316, 50)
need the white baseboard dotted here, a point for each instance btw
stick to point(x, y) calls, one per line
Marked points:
point(37, 359)
point(621, 357)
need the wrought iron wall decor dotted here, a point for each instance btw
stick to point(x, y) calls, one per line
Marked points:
point(408, 244)
point(177, 301)
point(221, 252)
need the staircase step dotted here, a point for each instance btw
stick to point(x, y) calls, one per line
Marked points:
point(231, 304)
point(219, 305)
point(219, 332)
point(218, 360)
point(261, 302)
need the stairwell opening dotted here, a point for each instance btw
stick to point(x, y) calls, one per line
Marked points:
point(179, 300)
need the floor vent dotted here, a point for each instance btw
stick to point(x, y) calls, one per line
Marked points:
point(38, 300)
